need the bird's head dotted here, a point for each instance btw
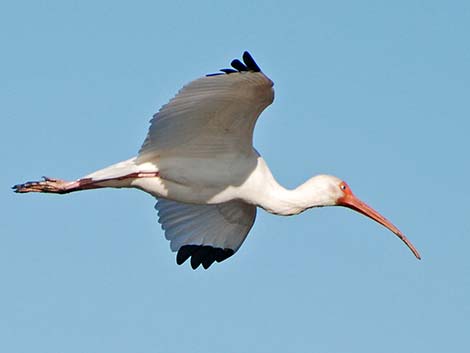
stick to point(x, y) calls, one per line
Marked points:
point(332, 191)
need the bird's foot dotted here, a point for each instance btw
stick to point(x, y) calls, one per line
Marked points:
point(48, 185)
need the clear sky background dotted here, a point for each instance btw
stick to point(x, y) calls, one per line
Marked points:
point(377, 93)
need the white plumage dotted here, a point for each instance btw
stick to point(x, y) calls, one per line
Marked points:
point(210, 116)
point(199, 162)
point(220, 226)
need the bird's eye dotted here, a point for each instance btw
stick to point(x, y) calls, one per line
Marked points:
point(342, 186)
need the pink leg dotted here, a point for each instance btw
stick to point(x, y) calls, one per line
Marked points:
point(58, 186)
point(55, 186)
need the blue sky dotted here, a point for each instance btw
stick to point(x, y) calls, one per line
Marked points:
point(376, 93)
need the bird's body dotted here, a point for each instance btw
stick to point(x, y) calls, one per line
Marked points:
point(199, 162)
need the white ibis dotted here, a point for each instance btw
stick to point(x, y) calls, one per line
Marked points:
point(198, 161)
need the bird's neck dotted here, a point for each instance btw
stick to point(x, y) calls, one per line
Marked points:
point(276, 199)
point(286, 202)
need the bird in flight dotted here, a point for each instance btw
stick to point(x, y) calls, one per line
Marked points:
point(199, 162)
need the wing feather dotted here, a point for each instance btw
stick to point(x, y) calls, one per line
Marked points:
point(208, 233)
point(213, 114)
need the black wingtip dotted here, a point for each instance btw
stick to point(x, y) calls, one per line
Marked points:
point(215, 74)
point(228, 71)
point(238, 65)
point(204, 255)
point(184, 253)
point(248, 64)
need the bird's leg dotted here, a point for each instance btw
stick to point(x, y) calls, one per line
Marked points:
point(56, 186)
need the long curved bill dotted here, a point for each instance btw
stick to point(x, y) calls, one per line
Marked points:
point(352, 202)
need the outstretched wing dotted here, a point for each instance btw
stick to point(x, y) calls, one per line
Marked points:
point(211, 115)
point(206, 233)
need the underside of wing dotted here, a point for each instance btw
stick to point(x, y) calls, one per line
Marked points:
point(205, 233)
point(213, 114)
